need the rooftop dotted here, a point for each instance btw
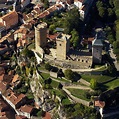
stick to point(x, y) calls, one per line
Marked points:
point(99, 103)
point(63, 37)
point(97, 42)
point(16, 98)
point(41, 25)
point(9, 16)
point(47, 116)
point(26, 108)
point(20, 117)
point(15, 78)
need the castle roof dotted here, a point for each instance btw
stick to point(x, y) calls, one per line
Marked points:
point(97, 42)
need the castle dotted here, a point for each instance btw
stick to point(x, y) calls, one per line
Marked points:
point(63, 51)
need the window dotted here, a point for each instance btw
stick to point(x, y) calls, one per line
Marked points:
point(60, 45)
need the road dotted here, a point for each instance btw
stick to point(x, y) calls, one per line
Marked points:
point(113, 56)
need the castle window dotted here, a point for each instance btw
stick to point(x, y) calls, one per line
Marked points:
point(59, 44)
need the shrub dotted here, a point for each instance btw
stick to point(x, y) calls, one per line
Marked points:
point(94, 84)
point(48, 66)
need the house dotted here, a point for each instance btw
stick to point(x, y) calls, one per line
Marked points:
point(26, 111)
point(9, 20)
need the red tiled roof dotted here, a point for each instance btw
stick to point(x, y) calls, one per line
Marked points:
point(2, 104)
point(99, 103)
point(15, 78)
point(52, 37)
point(20, 117)
point(2, 70)
point(1, 25)
point(16, 99)
point(1, 77)
point(47, 116)
point(3, 86)
point(26, 108)
point(3, 115)
point(10, 19)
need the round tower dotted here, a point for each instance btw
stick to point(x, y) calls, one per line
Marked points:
point(41, 34)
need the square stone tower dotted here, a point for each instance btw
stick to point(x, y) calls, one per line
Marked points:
point(97, 46)
point(41, 35)
point(63, 45)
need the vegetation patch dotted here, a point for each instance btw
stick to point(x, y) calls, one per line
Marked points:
point(82, 94)
point(99, 78)
point(113, 84)
point(66, 101)
point(54, 84)
point(45, 75)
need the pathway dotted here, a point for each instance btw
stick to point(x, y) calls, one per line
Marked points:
point(78, 87)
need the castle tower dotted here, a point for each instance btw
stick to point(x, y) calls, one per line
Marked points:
point(97, 46)
point(63, 45)
point(41, 35)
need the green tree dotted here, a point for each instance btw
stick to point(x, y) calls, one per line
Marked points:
point(69, 74)
point(28, 53)
point(46, 4)
point(112, 70)
point(75, 38)
point(99, 4)
point(71, 21)
point(102, 11)
point(116, 44)
point(51, 28)
point(110, 12)
point(117, 13)
point(94, 84)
